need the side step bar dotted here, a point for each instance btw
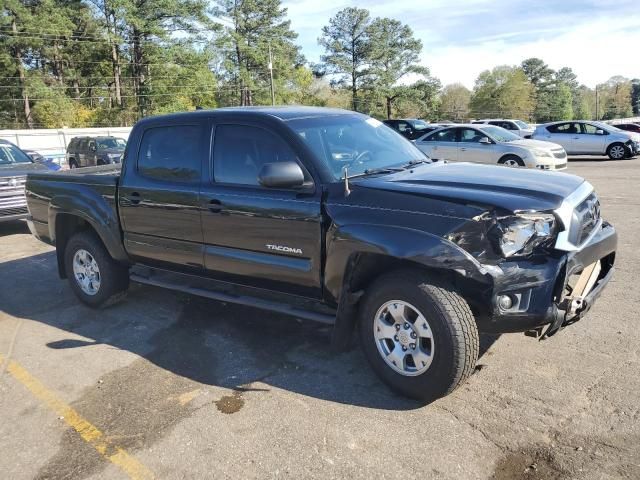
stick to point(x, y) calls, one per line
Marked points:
point(239, 299)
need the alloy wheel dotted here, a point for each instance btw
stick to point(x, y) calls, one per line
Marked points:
point(86, 272)
point(403, 337)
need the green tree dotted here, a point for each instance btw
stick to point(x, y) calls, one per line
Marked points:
point(614, 98)
point(454, 102)
point(504, 91)
point(254, 26)
point(635, 96)
point(394, 53)
point(348, 48)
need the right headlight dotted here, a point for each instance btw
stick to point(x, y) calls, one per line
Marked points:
point(519, 234)
point(541, 153)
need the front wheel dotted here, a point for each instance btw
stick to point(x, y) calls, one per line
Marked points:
point(96, 278)
point(511, 161)
point(616, 151)
point(418, 334)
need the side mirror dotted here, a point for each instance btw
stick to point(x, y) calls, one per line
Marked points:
point(599, 132)
point(93, 147)
point(281, 175)
point(485, 141)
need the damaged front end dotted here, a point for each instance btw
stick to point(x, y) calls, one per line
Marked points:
point(546, 268)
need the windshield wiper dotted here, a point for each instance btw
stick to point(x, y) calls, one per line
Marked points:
point(375, 171)
point(413, 162)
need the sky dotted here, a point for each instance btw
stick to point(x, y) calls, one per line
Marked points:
point(461, 38)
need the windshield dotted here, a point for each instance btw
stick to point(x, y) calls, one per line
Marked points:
point(499, 134)
point(522, 125)
point(106, 143)
point(356, 142)
point(10, 154)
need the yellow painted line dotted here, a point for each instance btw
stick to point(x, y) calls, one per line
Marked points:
point(89, 433)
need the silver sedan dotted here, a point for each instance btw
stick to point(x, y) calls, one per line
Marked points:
point(492, 145)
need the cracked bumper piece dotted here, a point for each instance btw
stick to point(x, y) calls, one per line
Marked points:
point(552, 291)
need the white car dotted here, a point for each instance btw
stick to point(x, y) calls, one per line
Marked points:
point(490, 144)
point(581, 137)
point(520, 128)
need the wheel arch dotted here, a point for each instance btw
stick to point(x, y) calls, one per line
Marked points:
point(361, 253)
point(69, 215)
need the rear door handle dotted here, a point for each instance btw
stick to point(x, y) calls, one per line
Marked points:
point(215, 206)
point(134, 198)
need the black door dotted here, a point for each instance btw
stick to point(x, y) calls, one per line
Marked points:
point(159, 195)
point(253, 235)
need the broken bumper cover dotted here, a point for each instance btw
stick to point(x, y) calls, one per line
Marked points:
point(541, 289)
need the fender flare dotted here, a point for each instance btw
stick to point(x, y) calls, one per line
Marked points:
point(97, 212)
point(346, 243)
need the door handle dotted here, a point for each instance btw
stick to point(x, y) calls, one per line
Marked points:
point(462, 149)
point(134, 198)
point(215, 206)
point(576, 138)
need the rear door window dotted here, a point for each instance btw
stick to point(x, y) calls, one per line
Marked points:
point(446, 135)
point(172, 153)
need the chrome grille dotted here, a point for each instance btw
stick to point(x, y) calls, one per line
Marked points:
point(586, 219)
point(12, 199)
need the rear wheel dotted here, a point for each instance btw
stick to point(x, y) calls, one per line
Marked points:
point(72, 164)
point(511, 161)
point(96, 278)
point(418, 334)
point(617, 151)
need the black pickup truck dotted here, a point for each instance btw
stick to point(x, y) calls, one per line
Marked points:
point(329, 215)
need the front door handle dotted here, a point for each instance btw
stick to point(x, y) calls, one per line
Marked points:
point(215, 206)
point(576, 138)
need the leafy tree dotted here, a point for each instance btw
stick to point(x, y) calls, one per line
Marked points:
point(635, 96)
point(454, 102)
point(255, 26)
point(503, 91)
point(394, 54)
point(615, 98)
point(537, 71)
point(348, 48)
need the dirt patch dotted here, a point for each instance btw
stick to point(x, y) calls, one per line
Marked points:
point(230, 403)
point(530, 464)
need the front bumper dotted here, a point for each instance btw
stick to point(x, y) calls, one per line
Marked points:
point(541, 288)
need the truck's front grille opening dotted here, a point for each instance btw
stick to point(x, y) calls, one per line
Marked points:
point(8, 212)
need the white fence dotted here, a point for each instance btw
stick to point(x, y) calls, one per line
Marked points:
point(52, 143)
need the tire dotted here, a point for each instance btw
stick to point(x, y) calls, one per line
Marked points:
point(617, 151)
point(72, 164)
point(511, 161)
point(453, 347)
point(112, 279)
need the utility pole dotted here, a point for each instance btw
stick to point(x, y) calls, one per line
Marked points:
point(273, 95)
point(596, 102)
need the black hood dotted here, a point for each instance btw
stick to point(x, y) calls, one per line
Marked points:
point(511, 189)
point(20, 169)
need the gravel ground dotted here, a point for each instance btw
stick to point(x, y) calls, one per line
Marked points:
point(192, 388)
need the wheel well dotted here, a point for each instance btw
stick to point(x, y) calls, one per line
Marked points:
point(509, 155)
point(364, 268)
point(67, 225)
point(369, 266)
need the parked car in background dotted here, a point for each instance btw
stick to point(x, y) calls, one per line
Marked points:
point(14, 166)
point(483, 143)
point(520, 128)
point(411, 128)
point(94, 151)
point(628, 127)
point(582, 137)
point(39, 158)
